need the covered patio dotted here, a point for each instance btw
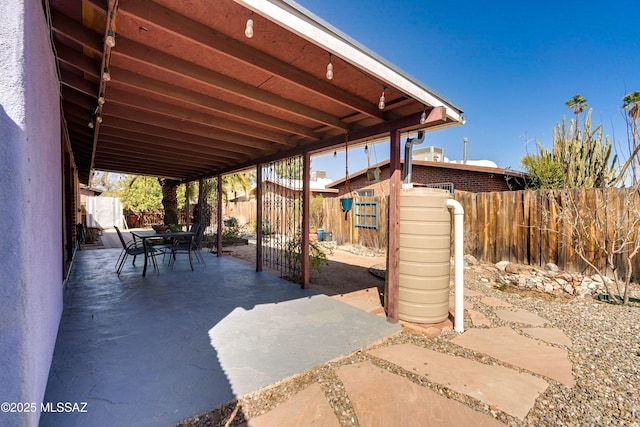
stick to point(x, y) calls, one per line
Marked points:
point(154, 350)
point(188, 91)
point(183, 91)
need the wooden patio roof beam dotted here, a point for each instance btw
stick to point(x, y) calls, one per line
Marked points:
point(138, 82)
point(136, 138)
point(80, 99)
point(165, 162)
point(128, 146)
point(297, 21)
point(166, 123)
point(75, 31)
point(166, 165)
point(78, 61)
point(182, 68)
point(435, 117)
point(78, 83)
point(153, 106)
point(208, 38)
point(136, 169)
point(74, 110)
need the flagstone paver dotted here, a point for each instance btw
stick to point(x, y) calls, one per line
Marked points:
point(468, 305)
point(495, 302)
point(519, 315)
point(479, 319)
point(507, 345)
point(551, 335)
point(471, 293)
point(307, 408)
point(508, 390)
point(381, 398)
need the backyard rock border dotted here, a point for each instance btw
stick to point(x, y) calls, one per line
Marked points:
point(549, 279)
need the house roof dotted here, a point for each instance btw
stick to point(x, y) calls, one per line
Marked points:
point(442, 165)
point(191, 96)
point(296, 185)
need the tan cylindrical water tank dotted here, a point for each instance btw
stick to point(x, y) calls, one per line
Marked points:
point(425, 250)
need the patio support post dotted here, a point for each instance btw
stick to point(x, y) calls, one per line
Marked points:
point(187, 205)
point(306, 193)
point(393, 253)
point(259, 217)
point(201, 203)
point(219, 217)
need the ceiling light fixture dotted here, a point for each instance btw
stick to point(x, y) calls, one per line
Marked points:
point(111, 39)
point(381, 104)
point(423, 116)
point(329, 68)
point(106, 75)
point(248, 31)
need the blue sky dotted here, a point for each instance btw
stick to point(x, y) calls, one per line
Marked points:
point(511, 65)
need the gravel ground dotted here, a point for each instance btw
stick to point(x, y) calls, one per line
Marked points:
point(605, 355)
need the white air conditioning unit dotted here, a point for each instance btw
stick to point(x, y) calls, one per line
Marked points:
point(431, 154)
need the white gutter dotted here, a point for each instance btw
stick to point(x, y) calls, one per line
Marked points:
point(300, 21)
point(458, 233)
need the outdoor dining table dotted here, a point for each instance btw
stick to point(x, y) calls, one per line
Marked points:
point(146, 235)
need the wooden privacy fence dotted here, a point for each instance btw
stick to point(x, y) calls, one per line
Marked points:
point(525, 227)
point(538, 227)
point(345, 231)
point(244, 212)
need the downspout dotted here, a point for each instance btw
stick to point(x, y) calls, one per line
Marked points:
point(408, 155)
point(458, 223)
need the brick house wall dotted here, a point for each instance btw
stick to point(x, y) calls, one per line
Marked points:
point(469, 178)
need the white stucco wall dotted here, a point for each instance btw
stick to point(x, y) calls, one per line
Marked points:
point(30, 207)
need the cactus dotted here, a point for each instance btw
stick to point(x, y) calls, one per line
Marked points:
point(584, 157)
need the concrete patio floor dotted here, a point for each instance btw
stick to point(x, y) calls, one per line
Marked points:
point(152, 351)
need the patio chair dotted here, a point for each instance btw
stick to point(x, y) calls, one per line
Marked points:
point(166, 244)
point(134, 249)
point(197, 245)
point(80, 235)
point(181, 244)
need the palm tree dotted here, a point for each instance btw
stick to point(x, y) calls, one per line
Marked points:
point(169, 200)
point(578, 104)
point(631, 102)
point(237, 181)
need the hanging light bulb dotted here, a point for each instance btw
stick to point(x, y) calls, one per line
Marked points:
point(111, 39)
point(248, 31)
point(106, 75)
point(90, 124)
point(381, 104)
point(329, 69)
point(101, 99)
point(366, 148)
point(335, 154)
point(98, 118)
point(423, 117)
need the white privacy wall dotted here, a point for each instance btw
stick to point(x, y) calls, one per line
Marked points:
point(30, 207)
point(104, 212)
